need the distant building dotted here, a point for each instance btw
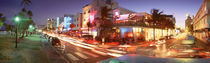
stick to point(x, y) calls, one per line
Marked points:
point(201, 22)
point(68, 20)
point(77, 21)
point(40, 26)
point(51, 24)
point(63, 23)
point(188, 23)
point(59, 21)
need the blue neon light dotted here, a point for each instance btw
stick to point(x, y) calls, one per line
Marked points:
point(67, 22)
point(58, 21)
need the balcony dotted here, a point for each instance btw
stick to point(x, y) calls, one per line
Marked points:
point(130, 23)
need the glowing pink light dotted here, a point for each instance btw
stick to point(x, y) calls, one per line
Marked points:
point(92, 18)
point(92, 15)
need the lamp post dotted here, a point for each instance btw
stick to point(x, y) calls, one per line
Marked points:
point(31, 28)
point(17, 19)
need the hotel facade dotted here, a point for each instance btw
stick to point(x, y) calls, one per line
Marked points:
point(201, 22)
point(92, 11)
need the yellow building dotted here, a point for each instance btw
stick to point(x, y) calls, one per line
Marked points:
point(201, 21)
point(188, 23)
point(92, 11)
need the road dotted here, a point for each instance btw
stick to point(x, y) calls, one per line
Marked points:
point(76, 51)
point(77, 54)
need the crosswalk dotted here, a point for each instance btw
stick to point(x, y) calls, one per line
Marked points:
point(81, 55)
point(91, 54)
point(77, 56)
point(72, 57)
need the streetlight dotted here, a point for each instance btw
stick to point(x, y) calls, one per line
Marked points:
point(30, 26)
point(17, 19)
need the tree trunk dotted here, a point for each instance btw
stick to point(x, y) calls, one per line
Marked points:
point(23, 33)
point(26, 34)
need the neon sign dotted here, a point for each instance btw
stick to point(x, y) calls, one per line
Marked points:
point(67, 22)
point(58, 22)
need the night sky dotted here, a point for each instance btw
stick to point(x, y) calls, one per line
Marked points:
point(44, 9)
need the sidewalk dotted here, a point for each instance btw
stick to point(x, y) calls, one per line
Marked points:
point(201, 44)
point(30, 50)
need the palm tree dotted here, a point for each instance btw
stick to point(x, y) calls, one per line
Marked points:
point(29, 13)
point(2, 20)
point(26, 2)
point(105, 23)
point(89, 25)
point(156, 19)
point(28, 21)
point(169, 25)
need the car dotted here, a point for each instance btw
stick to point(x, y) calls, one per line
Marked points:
point(45, 35)
point(88, 37)
point(160, 42)
point(49, 38)
point(56, 41)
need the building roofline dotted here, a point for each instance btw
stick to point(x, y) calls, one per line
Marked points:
point(200, 8)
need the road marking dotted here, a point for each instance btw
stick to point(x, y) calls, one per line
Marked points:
point(99, 52)
point(81, 55)
point(91, 54)
point(72, 57)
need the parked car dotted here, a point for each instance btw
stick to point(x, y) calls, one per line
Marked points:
point(55, 41)
point(88, 37)
point(49, 38)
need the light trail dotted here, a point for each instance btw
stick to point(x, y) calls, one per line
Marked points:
point(79, 43)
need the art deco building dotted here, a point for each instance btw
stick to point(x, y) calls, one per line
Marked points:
point(201, 22)
point(92, 11)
